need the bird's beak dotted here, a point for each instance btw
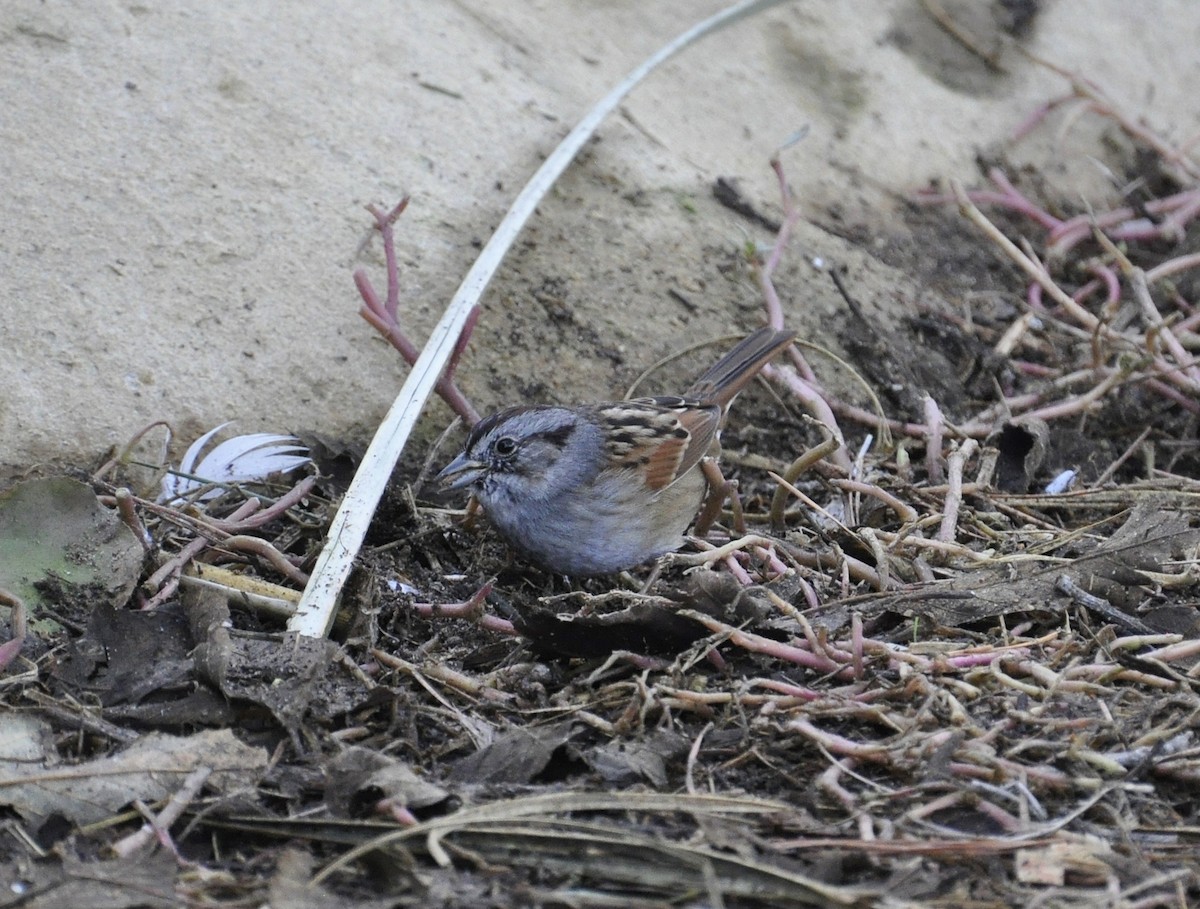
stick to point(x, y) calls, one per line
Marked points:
point(460, 473)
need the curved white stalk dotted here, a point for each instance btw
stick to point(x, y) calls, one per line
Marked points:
point(314, 615)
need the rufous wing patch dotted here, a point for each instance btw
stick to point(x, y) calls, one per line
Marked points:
point(701, 423)
point(646, 437)
point(662, 465)
point(663, 438)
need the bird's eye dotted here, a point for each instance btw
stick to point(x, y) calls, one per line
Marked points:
point(505, 446)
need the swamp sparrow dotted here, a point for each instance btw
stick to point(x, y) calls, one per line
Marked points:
point(598, 488)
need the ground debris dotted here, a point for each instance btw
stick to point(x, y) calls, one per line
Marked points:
point(934, 673)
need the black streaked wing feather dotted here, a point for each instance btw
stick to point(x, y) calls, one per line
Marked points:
point(663, 437)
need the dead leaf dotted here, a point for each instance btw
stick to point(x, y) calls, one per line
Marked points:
point(150, 769)
point(622, 763)
point(1082, 861)
point(147, 882)
point(359, 778)
point(54, 530)
point(517, 756)
point(289, 677)
point(25, 738)
point(127, 655)
point(291, 887)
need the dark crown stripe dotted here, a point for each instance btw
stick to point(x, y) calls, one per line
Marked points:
point(560, 435)
point(491, 421)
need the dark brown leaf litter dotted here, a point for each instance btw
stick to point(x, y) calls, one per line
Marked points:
point(945, 686)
